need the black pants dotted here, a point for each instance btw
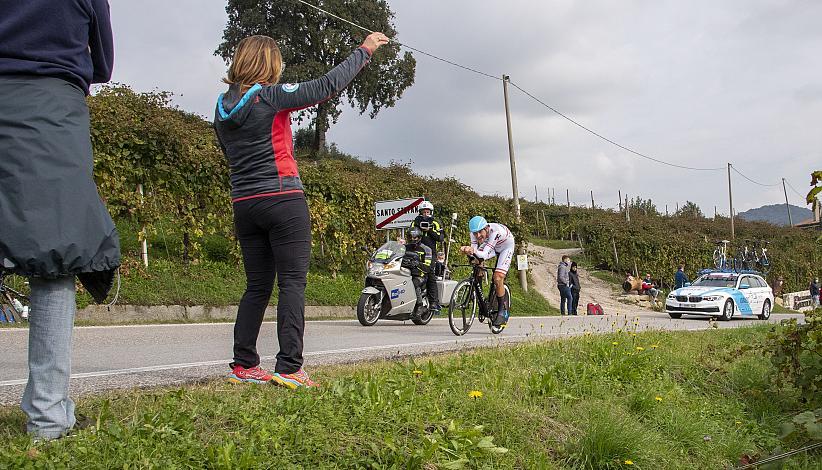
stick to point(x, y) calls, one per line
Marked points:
point(574, 301)
point(275, 238)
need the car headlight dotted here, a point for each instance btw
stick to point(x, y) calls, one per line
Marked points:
point(711, 298)
point(671, 296)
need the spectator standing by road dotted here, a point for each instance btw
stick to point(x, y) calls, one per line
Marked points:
point(680, 279)
point(54, 224)
point(564, 285)
point(253, 125)
point(573, 275)
point(814, 288)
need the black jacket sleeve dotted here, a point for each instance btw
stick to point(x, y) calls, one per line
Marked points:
point(294, 96)
point(101, 42)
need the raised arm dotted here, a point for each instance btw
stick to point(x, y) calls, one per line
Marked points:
point(295, 96)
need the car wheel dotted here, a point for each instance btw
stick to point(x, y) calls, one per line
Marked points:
point(727, 310)
point(766, 311)
point(675, 315)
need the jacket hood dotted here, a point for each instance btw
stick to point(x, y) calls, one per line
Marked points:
point(233, 108)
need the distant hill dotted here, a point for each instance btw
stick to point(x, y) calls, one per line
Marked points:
point(776, 214)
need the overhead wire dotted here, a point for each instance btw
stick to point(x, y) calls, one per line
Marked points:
point(804, 198)
point(751, 180)
point(551, 108)
point(610, 141)
point(465, 67)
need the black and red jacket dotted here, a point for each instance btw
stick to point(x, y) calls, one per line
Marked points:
point(254, 129)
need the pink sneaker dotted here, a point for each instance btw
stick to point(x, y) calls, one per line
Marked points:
point(256, 374)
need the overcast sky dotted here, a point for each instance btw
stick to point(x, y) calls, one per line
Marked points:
point(697, 83)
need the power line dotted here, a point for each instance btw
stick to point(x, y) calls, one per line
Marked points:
point(488, 75)
point(606, 139)
point(804, 198)
point(753, 181)
point(556, 111)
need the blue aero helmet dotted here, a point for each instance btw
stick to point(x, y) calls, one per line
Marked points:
point(477, 223)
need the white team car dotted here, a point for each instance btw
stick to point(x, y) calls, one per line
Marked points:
point(724, 295)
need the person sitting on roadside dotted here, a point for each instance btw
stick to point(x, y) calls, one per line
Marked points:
point(649, 288)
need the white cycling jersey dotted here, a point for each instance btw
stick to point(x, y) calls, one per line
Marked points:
point(500, 243)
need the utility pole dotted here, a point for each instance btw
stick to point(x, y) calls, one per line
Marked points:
point(627, 209)
point(787, 206)
point(592, 200)
point(523, 278)
point(731, 202)
point(536, 194)
point(666, 210)
point(620, 200)
point(568, 198)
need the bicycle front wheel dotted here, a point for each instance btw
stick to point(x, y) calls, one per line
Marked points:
point(463, 308)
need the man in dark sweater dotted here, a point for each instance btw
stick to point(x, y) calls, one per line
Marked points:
point(55, 226)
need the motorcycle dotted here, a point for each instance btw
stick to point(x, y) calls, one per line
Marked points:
point(389, 288)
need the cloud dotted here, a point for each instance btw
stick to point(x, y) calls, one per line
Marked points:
point(699, 84)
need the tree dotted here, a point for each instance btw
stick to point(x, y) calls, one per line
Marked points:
point(646, 206)
point(813, 195)
point(312, 42)
point(690, 209)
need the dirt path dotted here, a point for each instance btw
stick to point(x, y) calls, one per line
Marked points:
point(544, 263)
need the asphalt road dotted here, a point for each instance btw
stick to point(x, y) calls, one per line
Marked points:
point(113, 357)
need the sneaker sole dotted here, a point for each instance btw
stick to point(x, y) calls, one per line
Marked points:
point(289, 383)
point(237, 380)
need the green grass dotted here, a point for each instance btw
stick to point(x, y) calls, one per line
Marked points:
point(683, 401)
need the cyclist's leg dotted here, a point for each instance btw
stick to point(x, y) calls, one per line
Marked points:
point(500, 271)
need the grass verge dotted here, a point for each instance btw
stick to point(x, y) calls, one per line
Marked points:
point(653, 400)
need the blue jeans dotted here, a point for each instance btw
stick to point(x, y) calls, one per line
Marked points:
point(46, 402)
point(565, 299)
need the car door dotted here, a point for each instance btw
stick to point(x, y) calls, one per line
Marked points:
point(756, 293)
point(750, 294)
point(764, 292)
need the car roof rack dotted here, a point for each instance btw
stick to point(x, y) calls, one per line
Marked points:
point(729, 271)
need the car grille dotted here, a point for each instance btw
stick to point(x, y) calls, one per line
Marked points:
point(682, 298)
point(694, 299)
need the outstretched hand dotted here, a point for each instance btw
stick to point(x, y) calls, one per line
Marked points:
point(374, 41)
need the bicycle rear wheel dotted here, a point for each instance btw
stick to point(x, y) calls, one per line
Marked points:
point(717, 259)
point(463, 308)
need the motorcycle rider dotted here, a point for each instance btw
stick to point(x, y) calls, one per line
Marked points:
point(422, 268)
point(431, 235)
point(487, 241)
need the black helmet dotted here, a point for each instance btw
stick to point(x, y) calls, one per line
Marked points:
point(415, 235)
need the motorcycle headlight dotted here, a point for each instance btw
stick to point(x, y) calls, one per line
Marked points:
point(393, 265)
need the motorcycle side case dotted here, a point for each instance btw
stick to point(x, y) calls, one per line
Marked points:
point(445, 288)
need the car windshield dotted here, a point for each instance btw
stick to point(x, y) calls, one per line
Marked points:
point(716, 281)
point(388, 252)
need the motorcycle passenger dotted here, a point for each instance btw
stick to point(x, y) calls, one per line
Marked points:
point(487, 241)
point(422, 268)
point(431, 235)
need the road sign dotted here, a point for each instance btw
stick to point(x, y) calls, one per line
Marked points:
point(522, 262)
point(398, 213)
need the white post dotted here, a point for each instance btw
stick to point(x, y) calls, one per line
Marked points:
point(143, 242)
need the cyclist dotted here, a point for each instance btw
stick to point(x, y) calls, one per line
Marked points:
point(431, 235)
point(487, 241)
point(423, 268)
